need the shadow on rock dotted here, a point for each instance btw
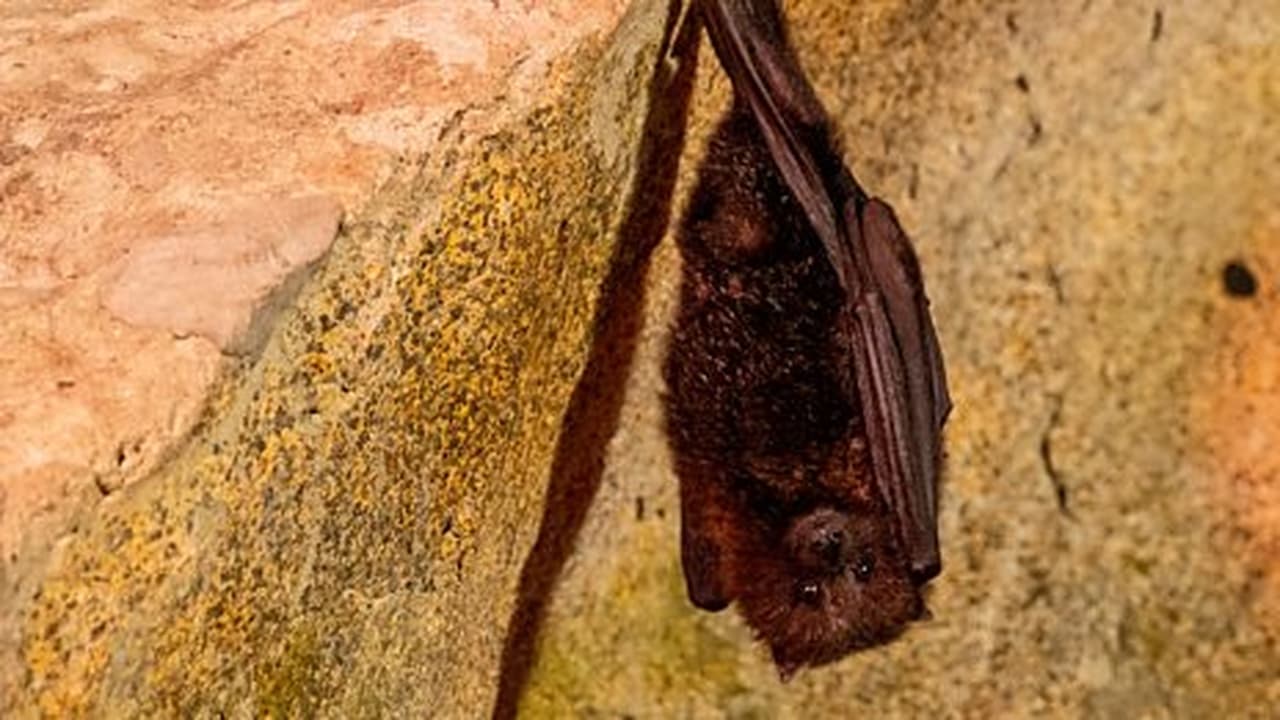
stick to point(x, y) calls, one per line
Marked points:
point(592, 415)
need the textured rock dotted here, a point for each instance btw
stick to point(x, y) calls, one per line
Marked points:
point(209, 281)
point(1076, 176)
point(344, 532)
point(135, 137)
point(334, 521)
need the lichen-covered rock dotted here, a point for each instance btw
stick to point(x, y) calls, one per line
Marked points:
point(153, 158)
point(342, 531)
point(1076, 177)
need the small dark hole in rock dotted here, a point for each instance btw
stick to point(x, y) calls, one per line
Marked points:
point(1238, 280)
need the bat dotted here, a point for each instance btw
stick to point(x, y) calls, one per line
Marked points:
point(806, 393)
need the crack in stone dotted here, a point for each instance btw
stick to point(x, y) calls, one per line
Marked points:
point(1046, 458)
point(1054, 278)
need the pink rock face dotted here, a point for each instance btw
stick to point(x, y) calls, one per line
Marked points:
point(165, 167)
point(207, 280)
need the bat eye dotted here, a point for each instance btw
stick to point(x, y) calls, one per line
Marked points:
point(808, 592)
point(864, 566)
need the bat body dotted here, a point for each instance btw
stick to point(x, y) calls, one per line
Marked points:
point(806, 393)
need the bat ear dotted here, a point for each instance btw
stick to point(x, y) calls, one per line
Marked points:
point(704, 543)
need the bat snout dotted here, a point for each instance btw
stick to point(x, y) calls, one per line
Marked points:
point(821, 541)
point(830, 548)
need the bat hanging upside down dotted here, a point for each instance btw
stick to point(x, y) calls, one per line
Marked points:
point(806, 390)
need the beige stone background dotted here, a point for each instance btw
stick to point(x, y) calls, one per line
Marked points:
point(301, 317)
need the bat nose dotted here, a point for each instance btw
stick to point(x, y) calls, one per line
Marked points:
point(821, 541)
point(829, 546)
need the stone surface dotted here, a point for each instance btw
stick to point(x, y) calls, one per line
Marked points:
point(345, 460)
point(1076, 177)
point(172, 178)
point(135, 136)
point(208, 281)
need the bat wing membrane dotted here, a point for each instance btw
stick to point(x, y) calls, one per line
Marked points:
point(703, 536)
point(904, 395)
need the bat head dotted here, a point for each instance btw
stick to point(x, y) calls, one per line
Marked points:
point(834, 582)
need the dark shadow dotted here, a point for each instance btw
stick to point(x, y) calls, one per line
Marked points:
point(592, 415)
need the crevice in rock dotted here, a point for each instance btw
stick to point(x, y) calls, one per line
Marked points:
point(1046, 458)
point(1054, 278)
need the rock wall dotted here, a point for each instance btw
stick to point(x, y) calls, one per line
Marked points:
point(316, 322)
point(327, 515)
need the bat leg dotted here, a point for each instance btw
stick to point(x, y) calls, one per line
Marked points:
point(705, 525)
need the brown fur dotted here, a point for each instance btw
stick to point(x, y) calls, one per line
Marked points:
point(779, 508)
